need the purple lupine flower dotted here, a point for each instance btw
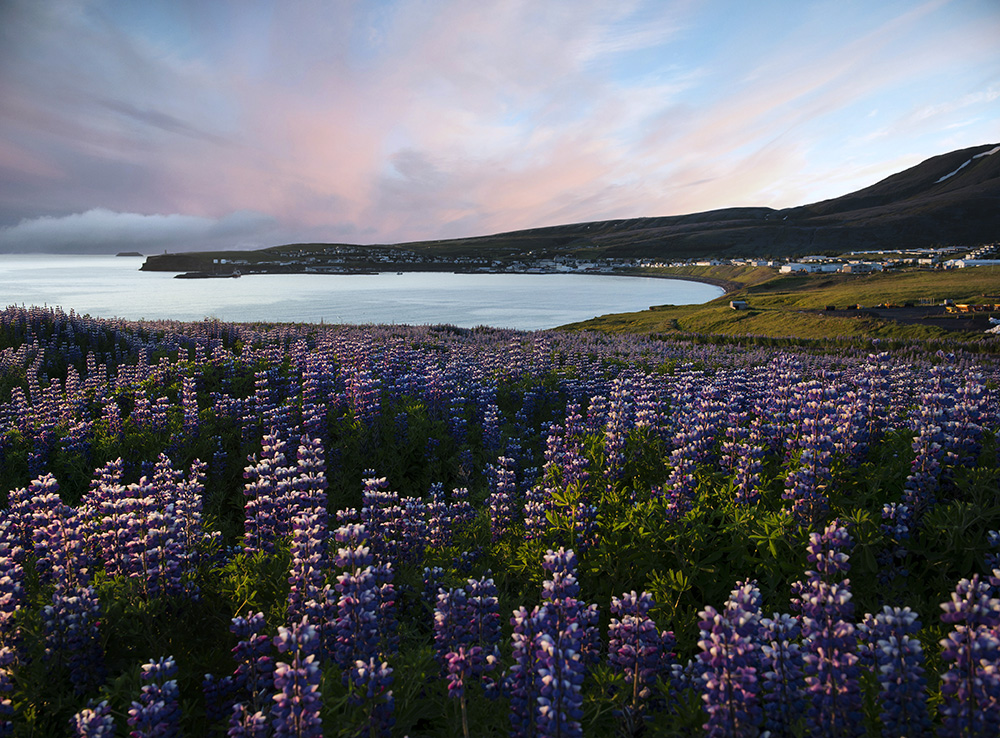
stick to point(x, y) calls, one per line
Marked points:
point(385, 604)
point(452, 624)
point(297, 700)
point(188, 508)
point(439, 533)
point(108, 507)
point(264, 515)
point(679, 489)
point(971, 686)
point(492, 419)
point(363, 390)
point(584, 518)
point(804, 486)
point(457, 421)
point(309, 566)
point(830, 644)
point(897, 529)
point(484, 608)
point(921, 486)
point(220, 695)
point(503, 497)
point(189, 405)
point(157, 713)
point(898, 660)
point(433, 578)
point(560, 590)
point(253, 677)
point(993, 557)
point(161, 550)
point(637, 649)
point(314, 408)
point(462, 513)
point(370, 682)
point(620, 418)
point(781, 679)
point(246, 724)
point(811, 416)
point(72, 640)
point(537, 502)
point(729, 656)
point(521, 682)
point(93, 722)
point(410, 534)
point(310, 482)
point(560, 679)
point(469, 619)
point(11, 600)
point(55, 529)
point(459, 666)
point(160, 414)
point(12, 575)
point(356, 631)
point(378, 507)
point(748, 466)
point(552, 646)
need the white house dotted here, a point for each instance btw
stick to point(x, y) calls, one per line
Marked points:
point(797, 267)
point(963, 263)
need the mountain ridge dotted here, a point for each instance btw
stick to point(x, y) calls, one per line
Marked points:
point(951, 199)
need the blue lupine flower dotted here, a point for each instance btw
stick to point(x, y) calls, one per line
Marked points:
point(297, 700)
point(157, 713)
point(637, 649)
point(781, 678)
point(731, 665)
point(94, 722)
point(971, 686)
point(254, 674)
point(72, 640)
point(899, 663)
point(552, 646)
point(830, 644)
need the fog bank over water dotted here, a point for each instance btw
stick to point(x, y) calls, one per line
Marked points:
point(108, 286)
point(102, 231)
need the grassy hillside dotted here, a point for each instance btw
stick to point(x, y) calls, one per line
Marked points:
point(820, 290)
point(794, 305)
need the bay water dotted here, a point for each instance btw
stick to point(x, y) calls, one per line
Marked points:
point(113, 287)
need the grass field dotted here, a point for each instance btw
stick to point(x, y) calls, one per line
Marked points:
point(793, 305)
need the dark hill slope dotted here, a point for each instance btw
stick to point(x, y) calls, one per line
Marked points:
point(951, 199)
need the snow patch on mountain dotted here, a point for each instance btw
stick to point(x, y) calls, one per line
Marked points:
point(994, 150)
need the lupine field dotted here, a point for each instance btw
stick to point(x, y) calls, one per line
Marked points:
point(277, 530)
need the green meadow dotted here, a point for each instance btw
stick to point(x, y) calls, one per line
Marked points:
point(795, 305)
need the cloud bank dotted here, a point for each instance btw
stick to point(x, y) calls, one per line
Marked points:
point(101, 231)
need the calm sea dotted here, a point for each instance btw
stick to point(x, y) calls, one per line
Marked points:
point(109, 286)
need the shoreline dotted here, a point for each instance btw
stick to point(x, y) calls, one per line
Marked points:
point(728, 286)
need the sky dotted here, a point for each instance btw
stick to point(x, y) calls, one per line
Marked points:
point(193, 124)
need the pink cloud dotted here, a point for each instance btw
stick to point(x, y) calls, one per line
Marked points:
point(415, 120)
